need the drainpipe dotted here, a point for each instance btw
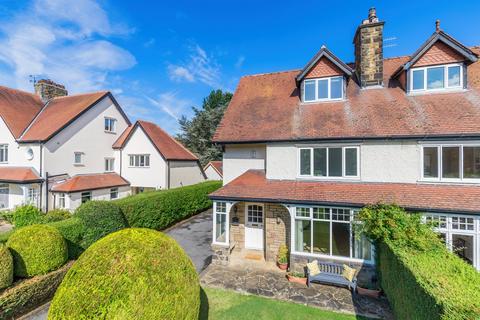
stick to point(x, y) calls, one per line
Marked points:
point(41, 170)
point(168, 174)
point(46, 192)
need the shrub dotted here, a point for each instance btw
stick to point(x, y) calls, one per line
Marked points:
point(99, 218)
point(56, 215)
point(130, 274)
point(161, 209)
point(6, 267)
point(26, 215)
point(5, 235)
point(29, 294)
point(72, 230)
point(36, 250)
point(6, 215)
point(282, 254)
point(420, 277)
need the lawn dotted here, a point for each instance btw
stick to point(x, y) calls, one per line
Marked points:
point(222, 304)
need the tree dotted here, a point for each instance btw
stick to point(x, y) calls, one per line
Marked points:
point(197, 132)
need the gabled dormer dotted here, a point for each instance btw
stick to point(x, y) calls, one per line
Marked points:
point(324, 78)
point(439, 65)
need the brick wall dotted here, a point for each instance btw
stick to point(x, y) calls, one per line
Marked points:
point(439, 53)
point(324, 68)
point(277, 231)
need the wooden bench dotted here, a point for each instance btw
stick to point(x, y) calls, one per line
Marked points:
point(331, 273)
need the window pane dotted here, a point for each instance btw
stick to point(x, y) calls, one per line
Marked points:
point(302, 235)
point(341, 239)
point(418, 79)
point(450, 162)
point(471, 162)
point(454, 76)
point(309, 90)
point(321, 237)
point(305, 161)
point(430, 162)
point(336, 88)
point(362, 248)
point(321, 213)
point(435, 78)
point(323, 89)
point(302, 212)
point(320, 162)
point(463, 247)
point(351, 161)
point(335, 162)
point(220, 227)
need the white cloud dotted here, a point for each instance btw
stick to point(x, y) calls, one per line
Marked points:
point(200, 67)
point(171, 104)
point(240, 62)
point(149, 43)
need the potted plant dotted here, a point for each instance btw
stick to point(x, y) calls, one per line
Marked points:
point(370, 289)
point(282, 257)
point(297, 277)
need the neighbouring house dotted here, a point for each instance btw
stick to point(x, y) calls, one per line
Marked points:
point(305, 150)
point(214, 170)
point(57, 151)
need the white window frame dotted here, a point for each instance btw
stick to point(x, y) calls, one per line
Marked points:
point(136, 163)
point(4, 149)
point(310, 218)
point(440, 147)
point(114, 191)
point(329, 80)
point(5, 195)
point(82, 160)
point(109, 164)
point(328, 177)
point(62, 204)
point(32, 195)
point(110, 125)
point(445, 78)
point(227, 221)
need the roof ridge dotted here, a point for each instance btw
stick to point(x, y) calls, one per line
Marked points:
point(269, 73)
point(81, 94)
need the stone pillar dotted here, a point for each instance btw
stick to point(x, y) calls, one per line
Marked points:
point(277, 230)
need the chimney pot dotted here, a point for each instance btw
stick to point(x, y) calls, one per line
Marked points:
point(437, 25)
point(48, 89)
point(372, 15)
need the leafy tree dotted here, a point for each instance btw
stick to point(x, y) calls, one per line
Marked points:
point(197, 132)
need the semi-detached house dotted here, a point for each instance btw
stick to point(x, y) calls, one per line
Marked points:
point(305, 149)
point(57, 151)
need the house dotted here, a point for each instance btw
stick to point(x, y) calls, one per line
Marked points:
point(305, 150)
point(214, 170)
point(57, 151)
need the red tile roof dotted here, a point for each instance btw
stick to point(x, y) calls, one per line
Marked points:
point(168, 147)
point(267, 107)
point(253, 186)
point(86, 182)
point(59, 112)
point(18, 108)
point(19, 175)
point(216, 165)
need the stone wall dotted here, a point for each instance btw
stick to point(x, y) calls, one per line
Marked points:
point(221, 255)
point(237, 230)
point(277, 230)
point(47, 89)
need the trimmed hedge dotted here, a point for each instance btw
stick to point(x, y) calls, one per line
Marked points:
point(28, 294)
point(421, 278)
point(6, 267)
point(26, 215)
point(56, 215)
point(130, 274)
point(99, 219)
point(161, 209)
point(72, 230)
point(37, 249)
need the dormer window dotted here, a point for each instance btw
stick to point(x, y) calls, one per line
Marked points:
point(437, 78)
point(323, 89)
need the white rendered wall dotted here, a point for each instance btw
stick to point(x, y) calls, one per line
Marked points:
point(239, 158)
point(75, 199)
point(185, 173)
point(212, 174)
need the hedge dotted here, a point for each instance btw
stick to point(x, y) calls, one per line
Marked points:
point(130, 274)
point(36, 250)
point(26, 215)
point(421, 278)
point(6, 267)
point(28, 294)
point(161, 209)
point(72, 230)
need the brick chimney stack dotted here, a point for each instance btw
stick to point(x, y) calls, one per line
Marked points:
point(47, 89)
point(368, 43)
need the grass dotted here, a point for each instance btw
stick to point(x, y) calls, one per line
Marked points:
point(223, 304)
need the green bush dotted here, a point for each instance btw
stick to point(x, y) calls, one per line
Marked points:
point(28, 294)
point(420, 277)
point(6, 215)
point(5, 235)
point(72, 230)
point(6, 267)
point(36, 250)
point(56, 215)
point(130, 274)
point(99, 219)
point(161, 209)
point(26, 215)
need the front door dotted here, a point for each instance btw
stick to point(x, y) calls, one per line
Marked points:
point(254, 220)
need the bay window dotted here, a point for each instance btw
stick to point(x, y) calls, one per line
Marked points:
point(447, 162)
point(323, 89)
point(437, 77)
point(330, 232)
point(329, 162)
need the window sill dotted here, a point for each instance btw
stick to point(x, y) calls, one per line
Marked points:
point(323, 101)
point(139, 167)
point(435, 91)
point(450, 181)
point(110, 132)
point(313, 178)
point(79, 165)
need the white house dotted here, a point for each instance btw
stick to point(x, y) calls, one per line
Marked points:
point(214, 170)
point(57, 151)
point(305, 149)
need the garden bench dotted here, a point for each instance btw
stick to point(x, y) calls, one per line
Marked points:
point(331, 273)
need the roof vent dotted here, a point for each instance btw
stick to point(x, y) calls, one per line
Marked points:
point(47, 89)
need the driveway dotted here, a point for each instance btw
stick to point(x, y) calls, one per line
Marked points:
point(195, 237)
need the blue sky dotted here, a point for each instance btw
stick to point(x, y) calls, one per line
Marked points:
point(161, 58)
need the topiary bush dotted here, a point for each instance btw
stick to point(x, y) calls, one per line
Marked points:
point(99, 218)
point(72, 230)
point(36, 250)
point(161, 209)
point(56, 215)
point(6, 267)
point(130, 274)
point(26, 215)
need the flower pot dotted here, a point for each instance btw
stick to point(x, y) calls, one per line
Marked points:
point(369, 292)
point(297, 279)
point(282, 266)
